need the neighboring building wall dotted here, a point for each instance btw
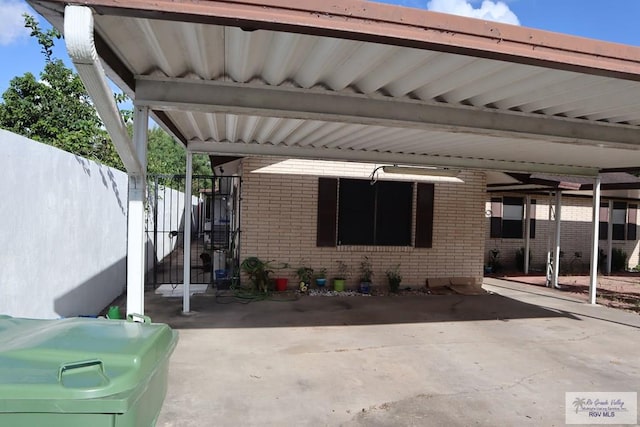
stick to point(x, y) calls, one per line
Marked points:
point(575, 235)
point(63, 231)
point(278, 222)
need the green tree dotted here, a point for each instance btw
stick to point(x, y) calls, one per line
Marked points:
point(165, 156)
point(55, 109)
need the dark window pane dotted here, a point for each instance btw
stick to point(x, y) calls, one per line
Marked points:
point(356, 212)
point(512, 229)
point(512, 218)
point(603, 231)
point(393, 214)
point(618, 232)
point(631, 222)
point(496, 218)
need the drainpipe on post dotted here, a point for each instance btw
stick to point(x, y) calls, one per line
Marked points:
point(186, 282)
point(527, 234)
point(594, 243)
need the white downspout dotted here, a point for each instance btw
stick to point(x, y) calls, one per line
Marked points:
point(136, 236)
point(78, 35)
point(550, 266)
point(556, 254)
point(527, 234)
point(609, 238)
point(186, 282)
point(594, 243)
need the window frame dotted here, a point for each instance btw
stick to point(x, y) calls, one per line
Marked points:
point(621, 232)
point(418, 213)
point(501, 228)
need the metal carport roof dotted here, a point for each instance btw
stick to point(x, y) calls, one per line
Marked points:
point(355, 80)
point(351, 80)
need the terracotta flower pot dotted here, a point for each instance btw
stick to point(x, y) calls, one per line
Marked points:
point(281, 284)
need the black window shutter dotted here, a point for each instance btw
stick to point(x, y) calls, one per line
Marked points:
point(632, 216)
point(327, 211)
point(496, 218)
point(424, 215)
point(532, 211)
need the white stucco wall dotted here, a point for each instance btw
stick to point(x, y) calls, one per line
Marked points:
point(63, 231)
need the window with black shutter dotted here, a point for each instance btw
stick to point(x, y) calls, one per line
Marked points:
point(354, 212)
point(507, 218)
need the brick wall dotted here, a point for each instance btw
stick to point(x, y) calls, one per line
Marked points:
point(575, 235)
point(278, 222)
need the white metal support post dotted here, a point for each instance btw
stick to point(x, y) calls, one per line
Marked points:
point(135, 231)
point(527, 234)
point(609, 237)
point(550, 266)
point(556, 250)
point(594, 242)
point(186, 302)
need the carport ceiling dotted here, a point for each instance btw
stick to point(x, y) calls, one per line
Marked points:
point(354, 80)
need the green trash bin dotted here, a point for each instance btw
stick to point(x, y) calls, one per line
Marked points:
point(83, 372)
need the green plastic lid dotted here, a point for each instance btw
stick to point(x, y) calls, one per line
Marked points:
point(78, 364)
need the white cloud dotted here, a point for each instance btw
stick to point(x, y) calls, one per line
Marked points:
point(11, 21)
point(490, 10)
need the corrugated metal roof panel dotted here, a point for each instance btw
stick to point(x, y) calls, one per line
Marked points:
point(216, 53)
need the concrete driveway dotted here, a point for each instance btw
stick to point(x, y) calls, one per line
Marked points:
point(501, 359)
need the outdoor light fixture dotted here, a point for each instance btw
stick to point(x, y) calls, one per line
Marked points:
point(419, 173)
point(413, 170)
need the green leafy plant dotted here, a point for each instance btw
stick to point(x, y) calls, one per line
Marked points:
point(259, 271)
point(320, 273)
point(520, 259)
point(304, 274)
point(343, 270)
point(494, 260)
point(618, 259)
point(394, 277)
point(366, 270)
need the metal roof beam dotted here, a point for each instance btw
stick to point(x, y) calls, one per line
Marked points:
point(253, 149)
point(296, 103)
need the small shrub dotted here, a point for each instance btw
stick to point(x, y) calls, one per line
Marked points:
point(520, 259)
point(366, 270)
point(618, 259)
point(394, 277)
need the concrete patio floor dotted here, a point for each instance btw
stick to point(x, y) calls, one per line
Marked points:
point(506, 358)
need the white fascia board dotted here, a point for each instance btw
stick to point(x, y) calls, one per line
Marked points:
point(78, 31)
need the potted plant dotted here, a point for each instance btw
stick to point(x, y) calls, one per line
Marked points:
point(341, 277)
point(258, 272)
point(394, 277)
point(366, 272)
point(493, 266)
point(305, 274)
point(321, 277)
point(281, 284)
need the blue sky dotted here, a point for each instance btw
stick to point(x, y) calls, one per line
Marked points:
point(611, 20)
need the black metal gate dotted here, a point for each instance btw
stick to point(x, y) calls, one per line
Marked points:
point(215, 224)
